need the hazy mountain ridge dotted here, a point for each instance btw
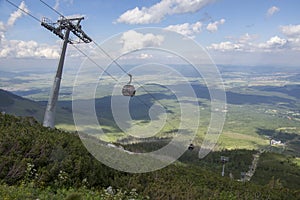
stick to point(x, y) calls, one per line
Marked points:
point(13, 104)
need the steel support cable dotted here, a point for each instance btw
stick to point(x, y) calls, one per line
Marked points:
point(24, 11)
point(53, 9)
point(113, 60)
point(94, 62)
point(111, 76)
point(139, 84)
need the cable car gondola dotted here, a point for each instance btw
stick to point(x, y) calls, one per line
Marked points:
point(191, 147)
point(128, 89)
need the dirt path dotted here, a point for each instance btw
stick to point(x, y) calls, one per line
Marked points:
point(253, 166)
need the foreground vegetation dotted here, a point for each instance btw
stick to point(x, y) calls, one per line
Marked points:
point(42, 163)
point(30, 191)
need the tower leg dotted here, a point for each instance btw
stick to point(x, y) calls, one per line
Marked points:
point(223, 170)
point(49, 118)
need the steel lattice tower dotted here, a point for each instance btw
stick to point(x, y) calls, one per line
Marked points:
point(62, 29)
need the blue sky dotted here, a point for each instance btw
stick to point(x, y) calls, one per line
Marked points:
point(234, 32)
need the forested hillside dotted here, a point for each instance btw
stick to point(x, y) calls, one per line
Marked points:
point(42, 163)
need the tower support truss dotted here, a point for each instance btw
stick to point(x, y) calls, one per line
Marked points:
point(62, 29)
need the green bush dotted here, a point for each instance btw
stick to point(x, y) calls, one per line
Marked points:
point(42, 163)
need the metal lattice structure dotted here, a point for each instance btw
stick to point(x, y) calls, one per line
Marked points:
point(64, 24)
point(62, 29)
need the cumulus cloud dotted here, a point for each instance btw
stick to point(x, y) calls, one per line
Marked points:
point(225, 46)
point(11, 20)
point(246, 43)
point(213, 26)
point(273, 43)
point(190, 30)
point(186, 29)
point(132, 40)
point(28, 49)
point(242, 43)
point(14, 16)
point(158, 11)
point(19, 48)
point(271, 11)
point(291, 30)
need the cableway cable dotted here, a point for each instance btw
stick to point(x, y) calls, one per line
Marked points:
point(89, 58)
point(112, 59)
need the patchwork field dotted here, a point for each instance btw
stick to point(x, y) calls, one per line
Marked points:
point(260, 106)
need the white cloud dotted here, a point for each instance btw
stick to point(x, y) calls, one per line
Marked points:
point(56, 6)
point(2, 27)
point(246, 44)
point(273, 43)
point(245, 50)
point(291, 30)
point(213, 26)
point(158, 11)
point(247, 38)
point(2, 31)
point(23, 49)
point(186, 6)
point(75, 16)
point(225, 46)
point(28, 49)
point(132, 40)
point(17, 14)
point(190, 30)
point(276, 41)
point(186, 29)
point(14, 16)
point(271, 11)
point(58, 2)
point(145, 56)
